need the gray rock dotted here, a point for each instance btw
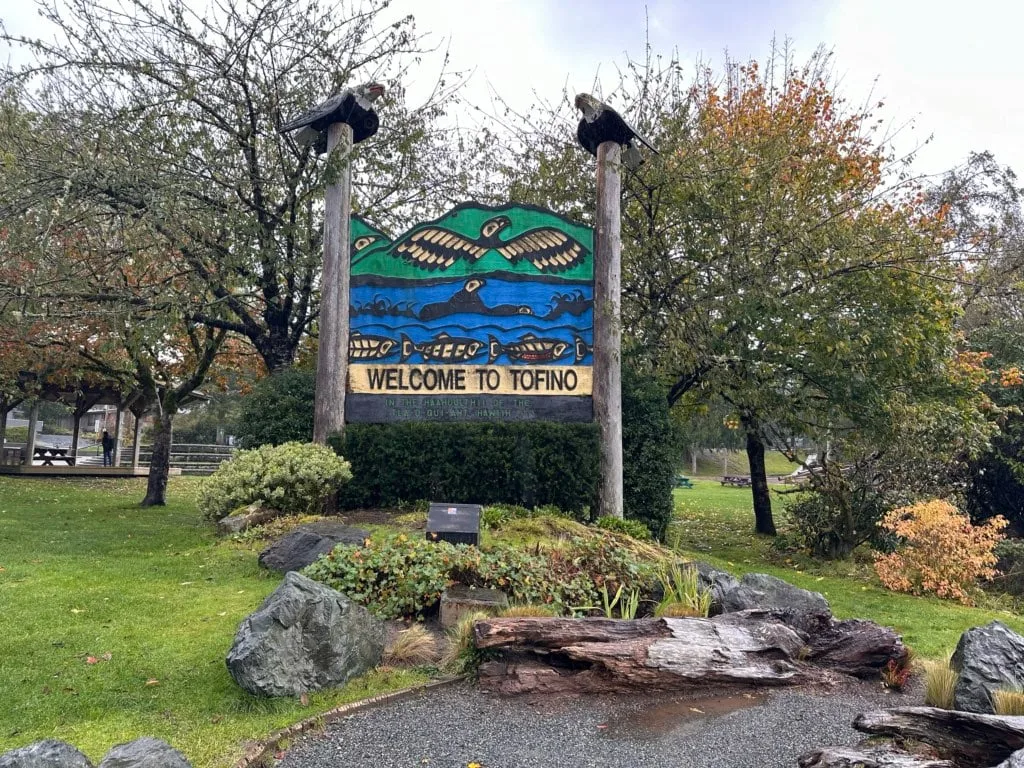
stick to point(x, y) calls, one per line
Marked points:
point(987, 658)
point(303, 638)
point(45, 754)
point(146, 752)
point(718, 582)
point(801, 609)
point(306, 543)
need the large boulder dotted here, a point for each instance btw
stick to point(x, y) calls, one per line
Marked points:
point(306, 543)
point(803, 610)
point(146, 752)
point(45, 754)
point(303, 638)
point(987, 658)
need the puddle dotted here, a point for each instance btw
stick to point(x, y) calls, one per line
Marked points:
point(663, 717)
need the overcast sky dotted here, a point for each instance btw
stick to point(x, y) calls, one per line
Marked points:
point(949, 67)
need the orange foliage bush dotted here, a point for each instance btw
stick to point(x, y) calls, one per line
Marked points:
point(942, 553)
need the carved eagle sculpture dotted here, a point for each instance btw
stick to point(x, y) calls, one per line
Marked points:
point(601, 123)
point(353, 106)
point(434, 247)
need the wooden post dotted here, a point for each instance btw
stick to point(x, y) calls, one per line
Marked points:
point(30, 443)
point(608, 328)
point(332, 355)
point(117, 436)
point(135, 444)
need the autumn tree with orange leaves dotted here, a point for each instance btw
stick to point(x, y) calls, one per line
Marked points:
point(776, 255)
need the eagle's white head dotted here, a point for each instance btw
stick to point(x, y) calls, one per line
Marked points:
point(588, 105)
point(369, 92)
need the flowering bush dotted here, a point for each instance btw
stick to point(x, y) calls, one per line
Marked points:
point(940, 551)
point(294, 478)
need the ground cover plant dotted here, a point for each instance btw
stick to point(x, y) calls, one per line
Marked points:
point(116, 622)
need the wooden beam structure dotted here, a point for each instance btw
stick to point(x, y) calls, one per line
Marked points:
point(33, 423)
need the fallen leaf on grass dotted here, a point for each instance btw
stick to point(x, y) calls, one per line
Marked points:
point(152, 681)
point(78, 610)
point(304, 699)
point(91, 660)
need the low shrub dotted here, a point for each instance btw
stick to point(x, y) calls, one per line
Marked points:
point(399, 576)
point(896, 672)
point(940, 681)
point(940, 552)
point(412, 647)
point(403, 576)
point(495, 515)
point(633, 528)
point(294, 478)
point(1008, 702)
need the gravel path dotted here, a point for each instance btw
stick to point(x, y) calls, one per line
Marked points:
point(452, 727)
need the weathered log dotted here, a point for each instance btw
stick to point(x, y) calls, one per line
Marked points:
point(856, 647)
point(851, 647)
point(871, 757)
point(590, 655)
point(969, 739)
point(1016, 760)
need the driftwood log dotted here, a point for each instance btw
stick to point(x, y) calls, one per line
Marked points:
point(969, 739)
point(602, 655)
point(870, 757)
point(850, 647)
point(1016, 760)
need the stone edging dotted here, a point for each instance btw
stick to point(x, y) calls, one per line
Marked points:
point(256, 755)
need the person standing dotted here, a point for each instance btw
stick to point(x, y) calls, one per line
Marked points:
point(108, 449)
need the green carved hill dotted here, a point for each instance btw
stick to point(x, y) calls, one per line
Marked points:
point(466, 220)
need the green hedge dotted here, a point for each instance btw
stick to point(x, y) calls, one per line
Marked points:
point(531, 464)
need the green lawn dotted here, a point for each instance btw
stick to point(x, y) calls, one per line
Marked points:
point(710, 465)
point(153, 601)
point(715, 524)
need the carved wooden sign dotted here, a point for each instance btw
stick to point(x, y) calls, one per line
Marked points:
point(484, 314)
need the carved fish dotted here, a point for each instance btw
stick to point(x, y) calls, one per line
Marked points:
point(528, 349)
point(442, 349)
point(582, 349)
point(362, 347)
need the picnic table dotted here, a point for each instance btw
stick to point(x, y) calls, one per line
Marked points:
point(49, 455)
point(737, 481)
point(683, 482)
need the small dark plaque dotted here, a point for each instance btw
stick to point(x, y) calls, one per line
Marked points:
point(454, 523)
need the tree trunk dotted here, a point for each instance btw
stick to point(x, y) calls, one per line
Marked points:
point(160, 461)
point(763, 521)
point(693, 459)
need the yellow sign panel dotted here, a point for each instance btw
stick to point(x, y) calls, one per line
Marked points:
point(471, 379)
